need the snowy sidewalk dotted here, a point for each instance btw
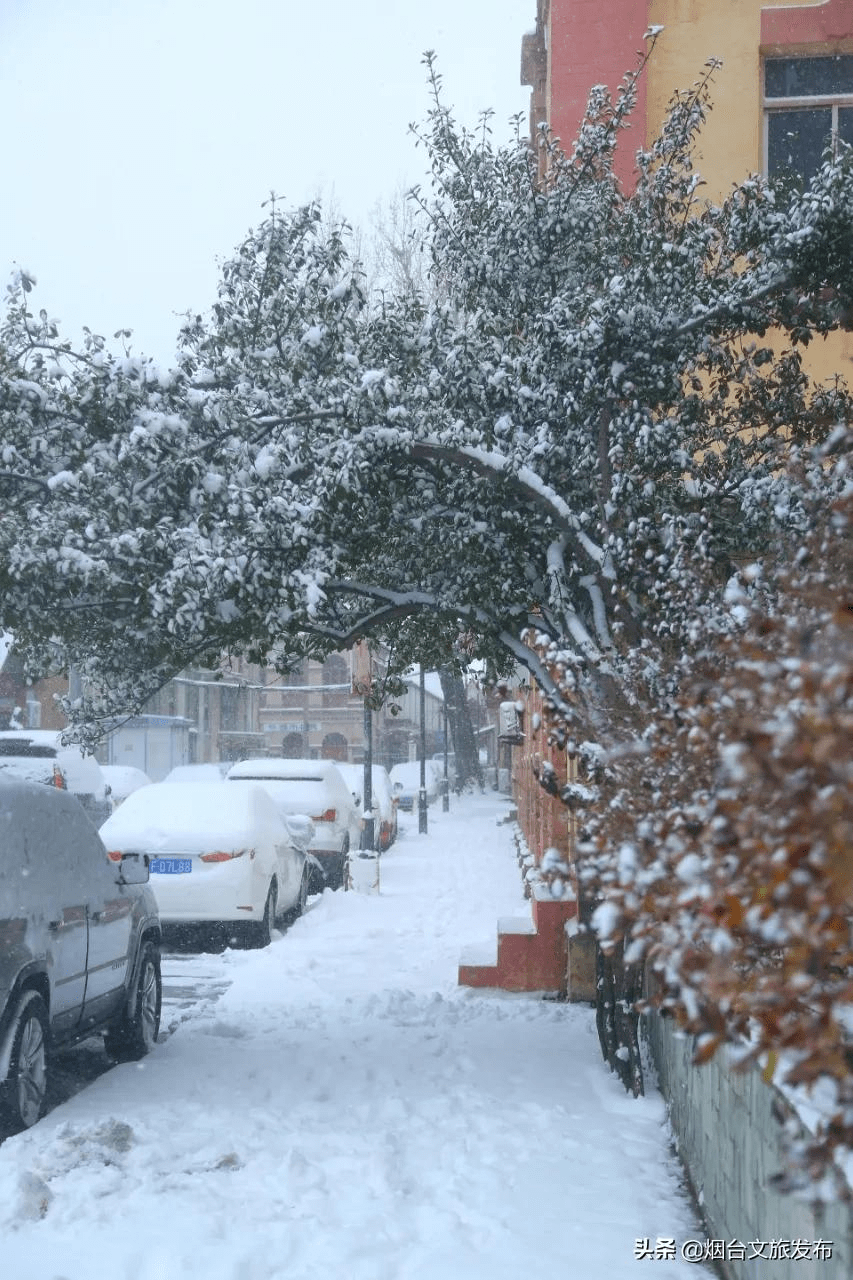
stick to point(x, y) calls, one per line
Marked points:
point(346, 1112)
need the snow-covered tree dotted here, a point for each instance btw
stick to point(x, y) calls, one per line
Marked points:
point(569, 450)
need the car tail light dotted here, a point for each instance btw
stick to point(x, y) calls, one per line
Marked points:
point(114, 855)
point(58, 778)
point(222, 856)
point(12, 931)
point(328, 815)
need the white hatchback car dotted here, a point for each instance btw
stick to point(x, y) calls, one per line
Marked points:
point(317, 789)
point(218, 854)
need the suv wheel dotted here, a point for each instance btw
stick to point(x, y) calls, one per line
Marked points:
point(26, 1083)
point(136, 1034)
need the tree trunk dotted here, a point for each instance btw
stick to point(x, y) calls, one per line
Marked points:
point(461, 729)
point(618, 988)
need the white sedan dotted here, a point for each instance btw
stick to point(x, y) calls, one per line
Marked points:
point(217, 854)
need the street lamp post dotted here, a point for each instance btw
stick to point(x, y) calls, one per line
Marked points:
point(422, 796)
point(445, 795)
point(367, 830)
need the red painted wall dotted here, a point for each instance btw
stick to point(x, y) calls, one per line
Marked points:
point(596, 42)
point(808, 24)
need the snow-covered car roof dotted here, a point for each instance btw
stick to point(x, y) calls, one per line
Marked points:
point(209, 772)
point(299, 786)
point(354, 774)
point(280, 767)
point(37, 821)
point(297, 796)
point(191, 815)
point(409, 772)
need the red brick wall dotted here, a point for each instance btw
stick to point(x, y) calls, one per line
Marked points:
point(595, 42)
point(544, 819)
point(807, 25)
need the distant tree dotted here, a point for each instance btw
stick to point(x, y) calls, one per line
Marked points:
point(571, 451)
point(395, 249)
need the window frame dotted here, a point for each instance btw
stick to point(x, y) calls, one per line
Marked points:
point(801, 102)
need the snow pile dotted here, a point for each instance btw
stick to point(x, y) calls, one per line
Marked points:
point(345, 1110)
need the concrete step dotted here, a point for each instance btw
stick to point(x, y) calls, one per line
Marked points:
point(531, 952)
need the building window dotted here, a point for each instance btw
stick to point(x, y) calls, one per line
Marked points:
point(807, 103)
point(230, 707)
point(334, 747)
point(293, 746)
point(336, 681)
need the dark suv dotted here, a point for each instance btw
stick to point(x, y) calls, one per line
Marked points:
point(79, 944)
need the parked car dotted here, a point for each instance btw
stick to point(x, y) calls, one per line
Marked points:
point(123, 780)
point(406, 783)
point(214, 771)
point(438, 761)
point(384, 805)
point(218, 854)
point(79, 944)
point(315, 788)
point(37, 755)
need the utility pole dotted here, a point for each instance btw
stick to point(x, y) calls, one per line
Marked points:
point(422, 796)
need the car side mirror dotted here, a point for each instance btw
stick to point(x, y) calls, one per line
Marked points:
point(133, 868)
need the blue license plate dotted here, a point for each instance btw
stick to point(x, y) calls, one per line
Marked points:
point(170, 866)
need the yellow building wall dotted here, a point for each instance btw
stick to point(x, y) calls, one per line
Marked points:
point(732, 142)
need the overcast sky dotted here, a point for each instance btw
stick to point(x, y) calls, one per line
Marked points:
point(141, 136)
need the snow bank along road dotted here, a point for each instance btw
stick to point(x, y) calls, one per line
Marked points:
point(345, 1111)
